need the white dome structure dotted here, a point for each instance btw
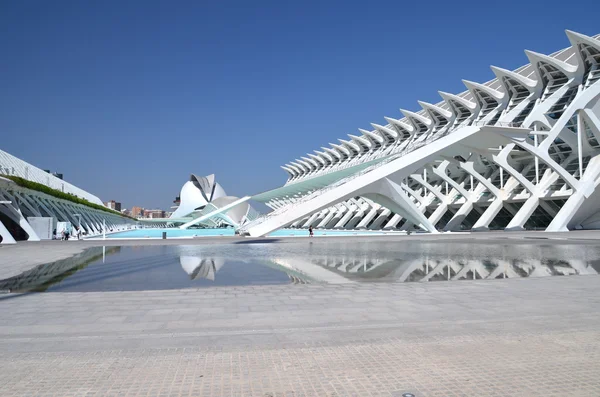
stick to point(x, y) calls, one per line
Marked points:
point(202, 195)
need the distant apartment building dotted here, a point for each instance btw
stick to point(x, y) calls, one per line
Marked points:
point(113, 205)
point(137, 212)
point(152, 214)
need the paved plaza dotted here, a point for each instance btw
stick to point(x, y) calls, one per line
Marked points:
point(517, 337)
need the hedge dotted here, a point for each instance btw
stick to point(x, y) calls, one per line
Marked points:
point(61, 195)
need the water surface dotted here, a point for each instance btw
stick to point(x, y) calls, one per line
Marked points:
point(167, 267)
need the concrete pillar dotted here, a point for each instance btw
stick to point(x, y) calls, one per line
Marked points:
point(368, 218)
point(347, 216)
point(377, 223)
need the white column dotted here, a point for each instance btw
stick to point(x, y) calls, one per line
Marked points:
point(537, 160)
point(501, 172)
point(392, 223)
point(580, 143)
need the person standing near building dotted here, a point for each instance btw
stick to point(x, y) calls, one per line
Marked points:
point(310, 231)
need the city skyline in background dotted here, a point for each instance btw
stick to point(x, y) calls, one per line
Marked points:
point(127, 101)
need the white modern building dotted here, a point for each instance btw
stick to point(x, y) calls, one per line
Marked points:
point(30, 214)
point(204, 203)
point(520, 151)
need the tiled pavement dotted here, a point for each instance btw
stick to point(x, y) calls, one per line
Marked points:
point(525, 337)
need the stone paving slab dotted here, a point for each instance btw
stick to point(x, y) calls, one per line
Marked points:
point(518, 337)
point(473, 366)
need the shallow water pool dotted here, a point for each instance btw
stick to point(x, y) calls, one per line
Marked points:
point(191, 233)
point(329, 261)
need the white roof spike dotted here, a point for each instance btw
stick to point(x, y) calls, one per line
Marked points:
point(334, 152)
point(412, 115)
point(350, 145)
point(570, 71)
point(301, 167)
point(385, 130)
point(451, 97)
point(564, 67)
point(361, 141)
point(443, 112)
point(288, 170)
point(310, 162)
point(295, 168)
point(317, 158)
point(417, 121)
point(373, 136)
point(534, 86)
point(471, 85)
point(341, 148)
point(306, 167)
point(501, 72)
point(325, 155)
point(578, 42)
point(579, 38)
point(397, 123)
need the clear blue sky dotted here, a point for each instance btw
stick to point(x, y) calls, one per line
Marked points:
point(128, 98)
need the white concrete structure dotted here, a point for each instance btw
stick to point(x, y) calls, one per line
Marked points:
point(518, 152)
point(204, 203)
point(17, 204)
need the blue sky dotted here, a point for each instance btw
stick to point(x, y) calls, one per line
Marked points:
point(128, 98)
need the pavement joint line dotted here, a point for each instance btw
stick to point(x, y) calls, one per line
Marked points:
point(263, 331)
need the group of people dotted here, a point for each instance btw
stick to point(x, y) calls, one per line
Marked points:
point(66, 234)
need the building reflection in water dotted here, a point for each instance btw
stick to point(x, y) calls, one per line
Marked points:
point(41, 277)
point(347, 269)
point(206, 268)
point(198, 268)
point(445, 269)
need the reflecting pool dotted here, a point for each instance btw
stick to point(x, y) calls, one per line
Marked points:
point(195, 266)
point(151, 233)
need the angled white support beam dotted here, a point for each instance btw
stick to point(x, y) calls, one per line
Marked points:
point(571, 208)
point(26, 203)
point(7, 238)
point(215, 212)
point(444, 199)
point(391, 195)
point(15, 214)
